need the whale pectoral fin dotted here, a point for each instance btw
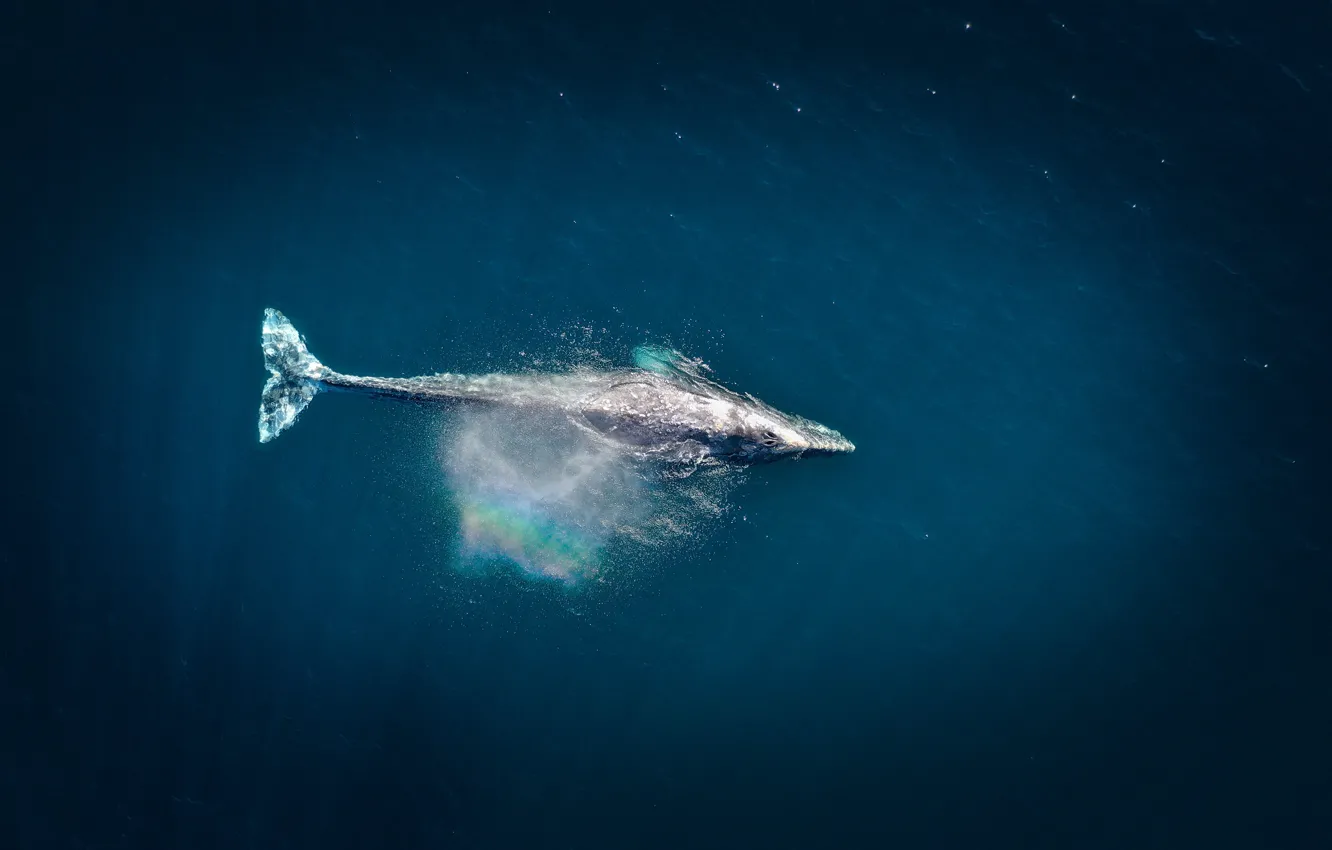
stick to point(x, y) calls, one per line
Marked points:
point(658, 360)
point(676, 367)
point(668, 362)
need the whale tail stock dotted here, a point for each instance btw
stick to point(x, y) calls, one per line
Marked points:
point(295, 376)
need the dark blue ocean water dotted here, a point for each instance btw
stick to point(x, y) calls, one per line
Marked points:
point(1059, 272)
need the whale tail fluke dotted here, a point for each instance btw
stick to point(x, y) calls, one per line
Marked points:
point(295, 376)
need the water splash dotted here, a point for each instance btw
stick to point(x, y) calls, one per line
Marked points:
point(534, 491)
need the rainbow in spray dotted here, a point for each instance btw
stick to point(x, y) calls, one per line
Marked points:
point(535, 493)
point(521, 532)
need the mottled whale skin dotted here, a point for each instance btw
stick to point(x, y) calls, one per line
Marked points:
point(663, 408)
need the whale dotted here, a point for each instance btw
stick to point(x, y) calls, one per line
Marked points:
point(662, 408)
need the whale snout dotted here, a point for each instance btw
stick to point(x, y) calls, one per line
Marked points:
point(840, 446)
point(815, 439)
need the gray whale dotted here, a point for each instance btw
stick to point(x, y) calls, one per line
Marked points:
point(663, 408)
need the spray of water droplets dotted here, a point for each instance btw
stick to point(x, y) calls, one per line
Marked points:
point(533, 491)
point(535, 496)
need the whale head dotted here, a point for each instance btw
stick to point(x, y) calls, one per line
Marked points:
point(735, 427)
point(770, 435)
